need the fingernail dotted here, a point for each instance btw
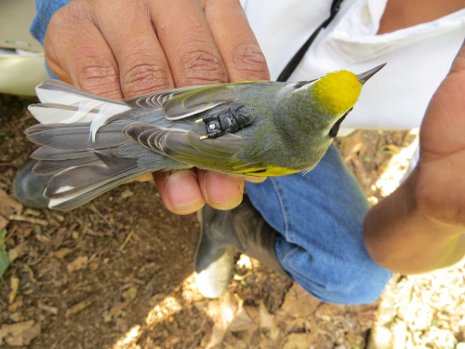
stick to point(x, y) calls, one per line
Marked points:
point(146, 177)
point(183, 193)
point(255, 179)
point(223, 192)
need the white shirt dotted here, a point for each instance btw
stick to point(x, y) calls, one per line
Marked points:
point(418, 57)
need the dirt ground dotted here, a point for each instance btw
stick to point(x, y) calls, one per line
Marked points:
point(117, 274)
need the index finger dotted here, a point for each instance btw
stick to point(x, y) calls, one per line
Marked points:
point(77, 52)
point(236, 41)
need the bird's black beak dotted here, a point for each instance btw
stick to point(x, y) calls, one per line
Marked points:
point(363, 77)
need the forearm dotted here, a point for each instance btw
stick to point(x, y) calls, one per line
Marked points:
point(44, 11)
point(401, 237)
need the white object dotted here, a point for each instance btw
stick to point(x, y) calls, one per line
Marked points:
point(418, 57)
point(22, 62)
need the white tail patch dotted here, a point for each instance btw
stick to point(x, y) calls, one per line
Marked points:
point(62, 103)
point(55, 113)
point(64, 189)
point(85, 109)
point(54, 202)
point(105, 112)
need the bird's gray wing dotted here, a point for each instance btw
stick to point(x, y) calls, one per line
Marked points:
point(186, 145)
point(183, 102)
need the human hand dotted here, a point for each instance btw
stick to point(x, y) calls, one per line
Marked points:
point(420, 226)
point(128, 48)
point(440, 187)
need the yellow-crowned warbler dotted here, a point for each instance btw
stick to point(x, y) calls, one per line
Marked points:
point(91, 144)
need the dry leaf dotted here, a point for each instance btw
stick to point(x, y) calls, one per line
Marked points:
point(20, 333)
point(222, 312)
point(79, 263)
point(15, 306)
point(31, 220)
point(48, 309)
point(16, 317)
point(242, 322)
point(15, 329)
point(8, 205)
point(130, 294)
point(80, 306)
point(127, 193)
point(297, 341)
point(114, 311)
point(32, 212)
point(26, 337)
point(298, 303)
point(268, 321)
point(3, 222)
point(121, 325)
point(62, 252)
point(44, 240)
point(18, 251)
point(14, 285)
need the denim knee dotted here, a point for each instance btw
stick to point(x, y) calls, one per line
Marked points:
point(319, 220)
point(334, 279)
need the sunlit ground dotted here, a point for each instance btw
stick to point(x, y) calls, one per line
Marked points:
point(161, 312)
point(424, 311)
point(421, 311)
point(396, 170)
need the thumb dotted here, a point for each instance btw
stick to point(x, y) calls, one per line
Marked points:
point(442, 128)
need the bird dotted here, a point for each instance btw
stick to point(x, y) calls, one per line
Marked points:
point(89, 144)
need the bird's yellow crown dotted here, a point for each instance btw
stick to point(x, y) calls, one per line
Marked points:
point(337, 91)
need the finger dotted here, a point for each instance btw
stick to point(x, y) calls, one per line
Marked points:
point(127, 27)
point(76, 50)
point(441, 131)
point(187, 42)
point(221, 191)
point(194, 59)
point(255, 179)
point(56, 69)
point(179, 191)
point(239, 48)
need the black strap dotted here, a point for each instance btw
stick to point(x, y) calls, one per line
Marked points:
point(294, 62)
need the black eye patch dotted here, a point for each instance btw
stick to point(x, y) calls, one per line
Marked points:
point(335, 129)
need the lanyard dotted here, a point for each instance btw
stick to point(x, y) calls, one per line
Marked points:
point(294, 62)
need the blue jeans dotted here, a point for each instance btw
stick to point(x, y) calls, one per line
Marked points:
point(319, 219)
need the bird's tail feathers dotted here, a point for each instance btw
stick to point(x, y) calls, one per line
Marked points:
point(75, 137)
point(81, 169)
point(75, 106)
point(76, 185)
